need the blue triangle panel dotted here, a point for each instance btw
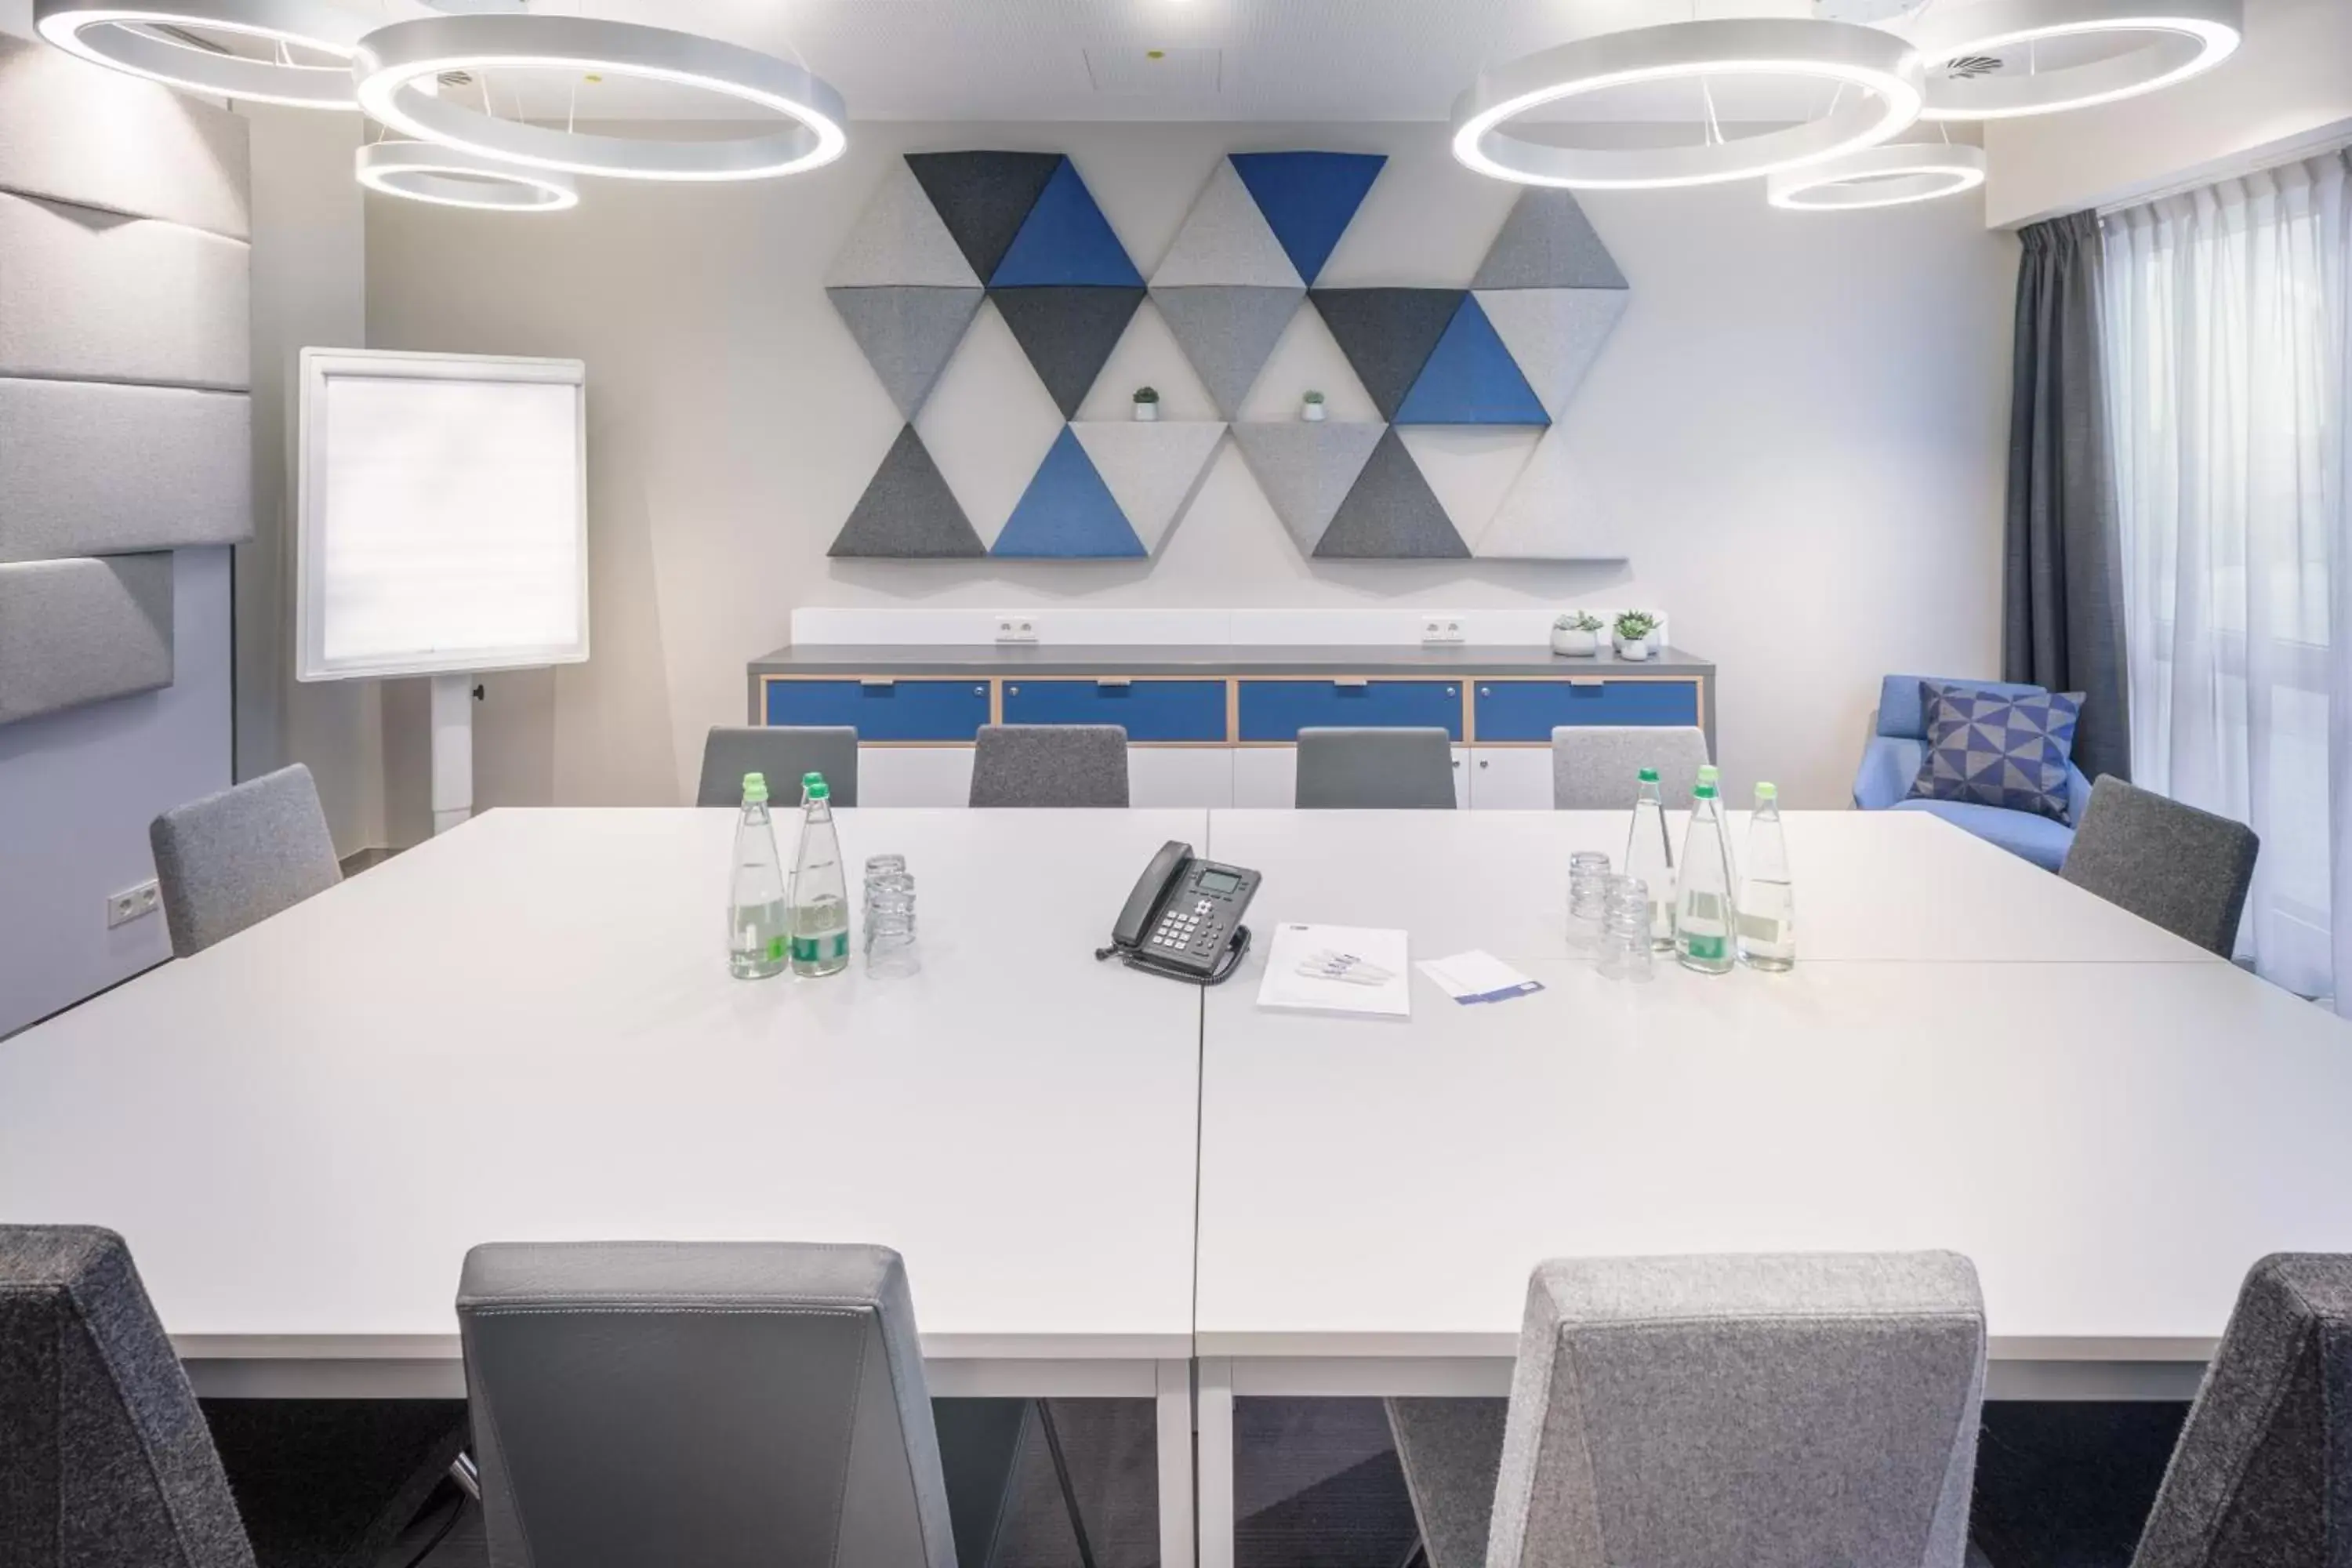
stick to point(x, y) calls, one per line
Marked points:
point(1065, 240)
point(1067, 512)
point(1471, 379)
point(1309, 198)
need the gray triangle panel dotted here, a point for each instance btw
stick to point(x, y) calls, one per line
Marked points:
point(907, 512)
point(1228, 331)
point(907, 334)
point(1067, 331)
point(1306, 469)
point(983, 197)
point(1547, 243)
point(1392, 514)
point(1387, 334)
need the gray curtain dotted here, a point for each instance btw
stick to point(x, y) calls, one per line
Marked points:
point(2062, 586)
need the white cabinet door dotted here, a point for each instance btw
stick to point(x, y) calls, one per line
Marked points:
point(913, 776)
point(1462, 771)
point(1510, 778)
point(1199, 776)
point(1266, 777)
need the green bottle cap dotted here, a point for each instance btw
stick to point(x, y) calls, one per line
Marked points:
point(1708, 773)
point(1767, 791)
point(815, 786)
point(755, 787)
point(1703, 790)
point(1649, 776)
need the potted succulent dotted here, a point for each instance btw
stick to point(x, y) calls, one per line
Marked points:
point(1576, 635)
point(1310, 407)
point(1147, 404)
point(1634, 629)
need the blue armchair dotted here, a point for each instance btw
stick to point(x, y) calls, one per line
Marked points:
point(1892, 761)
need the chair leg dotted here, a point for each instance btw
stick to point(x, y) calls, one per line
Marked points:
point(1062, 1474)
point(462, 1470)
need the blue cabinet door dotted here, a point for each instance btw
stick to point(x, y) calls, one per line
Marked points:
point(1530, 710)
point(1162, 711)
point(937, 710)
point(1278, 710)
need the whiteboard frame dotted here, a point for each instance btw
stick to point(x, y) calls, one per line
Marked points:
point(317, 366)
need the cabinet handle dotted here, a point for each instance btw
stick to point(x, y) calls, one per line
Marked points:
point(1482, 761)
point(1586, 680)
point(980, 691)
point(1457, 761)
point(1485, 691)
point(1450, 691)
point(1012, 692)
point(876, 682)
point(1114, 683)
point(1351, 683)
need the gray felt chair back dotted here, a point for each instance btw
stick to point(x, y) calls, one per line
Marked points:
point(234, 858)
point(2262, 1475)
point(2172, 865)
point(104, 1457)
point(1375, 770)
point(1599, 767)
point(1450, 1451)
point(783, 752)
point(1783, 1411)
point(1049, 764)
point(724, 1405)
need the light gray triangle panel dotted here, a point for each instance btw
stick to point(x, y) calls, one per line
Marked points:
point(907, 334)
point(1307, 469)
point(1225, 239)
point(1547, 243)
point(1151, 469)
point(900, 241)
point(1553, 334)
point(1228, 331)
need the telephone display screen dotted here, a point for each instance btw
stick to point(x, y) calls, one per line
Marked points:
point(1218, 881)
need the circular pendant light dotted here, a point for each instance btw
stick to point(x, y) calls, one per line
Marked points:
point(394, 60)
point(132, 38)
point(453, 177)
point(1973, 52)
point(1889, 176)
point(1880, 75)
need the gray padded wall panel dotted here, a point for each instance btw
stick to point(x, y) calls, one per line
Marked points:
point(92, 468)
point(191, 164)
point(82, 631)
point(91, 296)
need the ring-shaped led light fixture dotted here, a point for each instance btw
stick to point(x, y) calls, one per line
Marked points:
point(2178, 40)
point(453, 177)
point(123, 37)
point(1881, 66)
point(1890, 177)
point(394, 60)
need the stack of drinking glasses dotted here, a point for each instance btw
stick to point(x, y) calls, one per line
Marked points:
point(1625, 930)
point(890, 918)
point(1587, 896)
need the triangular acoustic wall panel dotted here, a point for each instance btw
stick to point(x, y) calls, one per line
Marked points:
point(1553, 334)
point(1067, 512)
point(1151, 469)
point(1309, 198)
point(907, 334)
point(983, 197)
point(1226, 241)
point(1307, 469)
point(1391, 514)
point(1387, 334)
point(1471, 471)
point(1470, 379)
point(1065, 240)
point(906, 511)
point(1228, 331)
point(1547, 243)
point(900, 241)
point(1068, 333)
point(1546, 517)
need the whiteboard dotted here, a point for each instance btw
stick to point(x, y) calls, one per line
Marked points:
point(443, 514)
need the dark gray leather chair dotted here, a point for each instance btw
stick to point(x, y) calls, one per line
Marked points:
point(232, 860)
point(713, 1404)
point(104, 1458)
point(2172, 865)
point(783, 752)
point(1049, 764)
point(1375, 770)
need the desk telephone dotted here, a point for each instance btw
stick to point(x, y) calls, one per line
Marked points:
point(1184, 919)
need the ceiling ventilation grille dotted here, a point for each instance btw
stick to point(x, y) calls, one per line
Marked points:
point(1967, 67)
point(1133, 73)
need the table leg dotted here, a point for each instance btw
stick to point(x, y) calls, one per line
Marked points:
point(1215, 1404)
point(1175, 1443)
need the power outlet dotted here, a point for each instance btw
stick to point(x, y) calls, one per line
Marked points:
point(1441, 629)
point(1017, 628)
point(131, 904)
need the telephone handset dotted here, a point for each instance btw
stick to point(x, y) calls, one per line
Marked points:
point(1184, 919)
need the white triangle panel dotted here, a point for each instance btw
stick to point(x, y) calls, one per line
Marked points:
point(1554, 335)
point(989, 423)
point(1226, 239)
point(900, 241)
point(1550, 514)
point(1470, 469)
point(1151, 469)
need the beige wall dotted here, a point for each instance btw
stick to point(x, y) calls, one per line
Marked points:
point(1806, 414)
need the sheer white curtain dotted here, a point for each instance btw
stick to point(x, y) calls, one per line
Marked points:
point(2228, 337)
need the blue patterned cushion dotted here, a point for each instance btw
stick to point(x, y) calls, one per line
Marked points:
point(1992, 748)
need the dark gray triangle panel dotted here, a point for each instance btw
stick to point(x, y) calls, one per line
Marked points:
point(983, 197)
point(1067, 331)
point(1391, 514)
point(1387, 334)
point(907, 334)
point(907, 512)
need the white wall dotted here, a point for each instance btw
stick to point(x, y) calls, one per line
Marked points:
point(1807, 415)
point(2290, 82)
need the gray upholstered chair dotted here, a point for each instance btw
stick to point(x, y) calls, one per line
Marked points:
point(232, 860)
point(104, 1458)
point(1049, 764)
point(1595, 768)
point(1773, 1411)
point(1375, 770)
point(2172, 865)
point(2262, 1474)
point(720, 1404)
point(1451, 1450)
point(783, 752)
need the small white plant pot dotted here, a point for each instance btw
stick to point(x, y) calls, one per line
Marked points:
point(1653, 642)
point(1570, 644)
point(1312, 412)
point(1146, 413)
point(1633, 652)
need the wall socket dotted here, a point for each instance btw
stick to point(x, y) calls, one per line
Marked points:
point(130, 904)
point(1441, 629)
point(1017, 628)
